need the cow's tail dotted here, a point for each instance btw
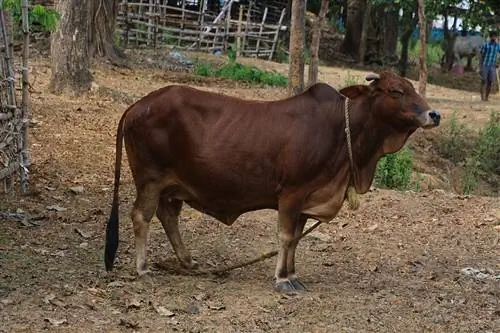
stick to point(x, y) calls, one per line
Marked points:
point(112, 226)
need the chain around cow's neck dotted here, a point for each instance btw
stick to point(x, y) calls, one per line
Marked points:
point(352, 197)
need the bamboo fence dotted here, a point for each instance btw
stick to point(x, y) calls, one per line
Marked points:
point(253, 31)
point(14, 157)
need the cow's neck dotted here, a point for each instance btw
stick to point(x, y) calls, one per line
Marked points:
point(371, 139)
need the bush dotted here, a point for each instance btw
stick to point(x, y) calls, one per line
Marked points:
point(239, 72)
point(394, 170)
point(204, 69)
point(478, 155)
point(455, 144)
point(487, 147)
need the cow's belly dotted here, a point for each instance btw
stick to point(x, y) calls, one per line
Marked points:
point(324, 204)
point(223, 206)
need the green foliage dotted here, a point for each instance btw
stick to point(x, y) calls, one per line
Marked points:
point(470, 176)
point(238, 72)
point(204, 69)
point(394, 170)
point(479, 155)
point(40, 18)
point(487, 148)
point(434, 52)
point(455, 144)
point(231, 53)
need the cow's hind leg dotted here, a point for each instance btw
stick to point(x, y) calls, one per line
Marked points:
point(168, 213)
point(142, 213)
point(299, 228)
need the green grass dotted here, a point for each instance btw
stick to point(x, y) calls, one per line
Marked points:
point(350, 80)
point(233, 70)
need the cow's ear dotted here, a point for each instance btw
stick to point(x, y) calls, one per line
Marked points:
point(355, 91)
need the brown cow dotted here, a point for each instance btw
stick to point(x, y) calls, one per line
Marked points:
point(226, 156)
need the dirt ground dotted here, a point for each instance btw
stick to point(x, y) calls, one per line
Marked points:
point(424, 261)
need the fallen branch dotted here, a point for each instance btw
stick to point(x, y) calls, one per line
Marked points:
point(20, 217)
point(263, 257)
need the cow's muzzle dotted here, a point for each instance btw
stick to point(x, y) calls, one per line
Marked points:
point(432, 118)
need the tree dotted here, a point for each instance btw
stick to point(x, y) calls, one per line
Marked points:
point(316, 37)
point(102, 33)
point(297, 39)
point(408, 22)
point(354, 26)
point(422, 82)
point(364, 32)
point(69, 48)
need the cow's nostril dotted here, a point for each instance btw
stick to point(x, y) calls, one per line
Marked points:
point(434, 115)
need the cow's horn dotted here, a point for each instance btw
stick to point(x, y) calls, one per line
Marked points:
point(372, 76)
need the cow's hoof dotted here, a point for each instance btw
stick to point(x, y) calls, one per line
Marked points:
point(193, 264)
point(145, 278)
point(285, 287)
point(297, 284)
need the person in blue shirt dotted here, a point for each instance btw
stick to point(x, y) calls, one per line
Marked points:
point(488, 64)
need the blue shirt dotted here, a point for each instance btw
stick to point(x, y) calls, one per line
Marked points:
point(489, 52)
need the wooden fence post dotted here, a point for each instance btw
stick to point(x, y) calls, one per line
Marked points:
point(260, 31)
point(276, 35)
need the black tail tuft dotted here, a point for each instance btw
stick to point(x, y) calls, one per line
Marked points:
point(111, 238)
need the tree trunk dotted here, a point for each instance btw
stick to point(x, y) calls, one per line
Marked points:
point(297, 39)
point(391, 34)
point(69, 48)
point(364, 32)
point(446, 30)
point(353, 27)
point(409, 22)
point(422, 77)
point(102, 34)
point(316, 37)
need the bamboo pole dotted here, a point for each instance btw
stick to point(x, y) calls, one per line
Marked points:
point(127, 23)
point(238, 38)
point(228, 26)
point(183, 17)
point(201, 20)
point(275, 40)
point(25, 162)
point(150, 22)
point(216, 20)
point(10, 93)
point(249, 12)
point(156, 22)
point(261, 29)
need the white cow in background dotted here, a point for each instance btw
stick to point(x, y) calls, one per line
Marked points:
point(464, 46)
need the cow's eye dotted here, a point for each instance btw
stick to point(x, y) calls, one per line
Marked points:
point(397, 91)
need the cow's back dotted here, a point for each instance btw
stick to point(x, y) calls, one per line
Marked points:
point(465, 45)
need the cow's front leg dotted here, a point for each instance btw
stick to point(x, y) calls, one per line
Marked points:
point(286, 229)
point(299, 228)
